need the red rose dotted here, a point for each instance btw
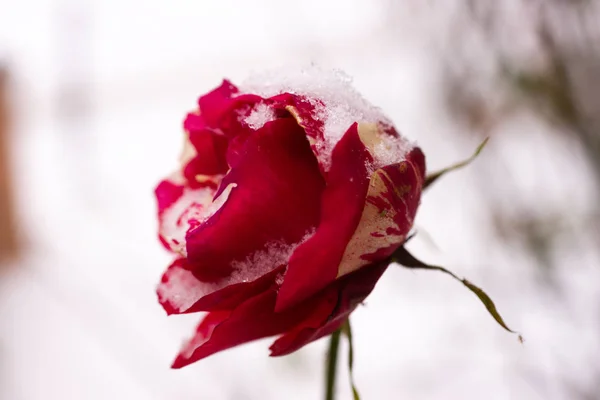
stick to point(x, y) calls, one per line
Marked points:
point(289, 201)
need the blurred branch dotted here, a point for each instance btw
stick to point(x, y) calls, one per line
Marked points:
point(8, 236)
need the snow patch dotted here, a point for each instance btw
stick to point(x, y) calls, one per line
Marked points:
point(259, 116)
point(336, 103)
point(264, 261)
point(181, 289)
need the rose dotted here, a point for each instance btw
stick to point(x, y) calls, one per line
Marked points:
point(289, 201)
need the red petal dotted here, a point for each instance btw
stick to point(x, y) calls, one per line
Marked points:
point(252, 320)
point(208, 130)
point(221, 111)
point(181, 292)
point(315, 263)
point(180, 208)
point(353, 289)
point(303, 110)
point(234, 294)
point(276, 200)
point(202, 335)
point(210, 158)
point(417, 159)
point(167, 193)
point(390, 208)
point(216, 108)
point(194, 121)
point(235, 150)
point(216, 103)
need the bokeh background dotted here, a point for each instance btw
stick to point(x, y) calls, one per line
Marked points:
point(93, 97)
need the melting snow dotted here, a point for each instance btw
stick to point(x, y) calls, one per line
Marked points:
point(336, 103)
point(259, 116)
point(264, 261)
point(182, 289)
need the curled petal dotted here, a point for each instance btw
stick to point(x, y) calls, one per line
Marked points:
point(218, 111)
point(254, 319)
point(180, 208)
point(276, 200)
point(210, 155)
point(234, 249)
point(203, 334)
point(180, 292)
point(215, 104)
point(390, 208)
point(315, 263)
point(208, 131)
point(167, 193)
point(352, 289)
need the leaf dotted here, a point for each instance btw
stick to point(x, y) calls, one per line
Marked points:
point(347, 330)
point(404, 258)
point(488, 303)
point(431, 178)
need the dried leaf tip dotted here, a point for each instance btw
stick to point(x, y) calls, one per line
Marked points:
point(434, 176)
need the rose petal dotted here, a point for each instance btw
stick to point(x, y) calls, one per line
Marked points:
point(277, 199)
point(315, 263)
point(235, 150)
point(303, 110)
point(252, 320)
point(222, 110)
point(209, 158)
point(218, 109)
point(232, 295)
point(207, 131)
point(180, 208)
point(390, 208)
point(216, 103)
point(203, 334)
point(176, 206)
point(180, 292)
point(353, 289)
point(167, 193)
point(179, 289)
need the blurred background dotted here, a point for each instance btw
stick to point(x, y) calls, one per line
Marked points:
point(92, 98)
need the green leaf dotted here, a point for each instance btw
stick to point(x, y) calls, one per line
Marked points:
point(331, 365)
point(404, 258)
point(431, 178)
point(347, 330)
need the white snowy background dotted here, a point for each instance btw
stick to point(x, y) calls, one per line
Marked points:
point(102, 88)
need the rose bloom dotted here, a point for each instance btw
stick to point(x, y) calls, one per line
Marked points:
point(290, 199)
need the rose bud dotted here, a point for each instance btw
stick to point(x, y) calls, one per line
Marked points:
point(290, 199)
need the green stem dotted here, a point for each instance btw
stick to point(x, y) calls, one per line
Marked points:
point(331, 365)
point(347, 330)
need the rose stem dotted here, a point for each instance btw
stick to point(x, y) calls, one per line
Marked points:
point(331, 365)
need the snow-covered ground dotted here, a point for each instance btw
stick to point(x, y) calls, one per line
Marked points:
point(79, 317)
